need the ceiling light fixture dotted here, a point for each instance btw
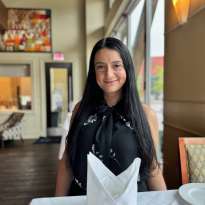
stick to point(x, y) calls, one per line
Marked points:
point(182, 10)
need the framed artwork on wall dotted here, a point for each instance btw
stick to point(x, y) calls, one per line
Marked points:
point(29, 30)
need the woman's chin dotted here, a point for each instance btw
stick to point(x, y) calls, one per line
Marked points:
point(111, 91)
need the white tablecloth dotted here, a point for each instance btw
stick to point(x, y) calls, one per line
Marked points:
point(170, 197)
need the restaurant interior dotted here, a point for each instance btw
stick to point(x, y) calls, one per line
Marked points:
point(45, 47)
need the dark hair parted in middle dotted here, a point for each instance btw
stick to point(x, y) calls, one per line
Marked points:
point(132, 107)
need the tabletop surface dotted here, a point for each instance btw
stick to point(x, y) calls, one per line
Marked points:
point(170, 197)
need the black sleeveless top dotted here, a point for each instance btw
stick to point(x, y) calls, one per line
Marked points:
point(110, 136)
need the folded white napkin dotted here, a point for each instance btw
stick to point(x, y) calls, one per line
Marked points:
point(105, 188)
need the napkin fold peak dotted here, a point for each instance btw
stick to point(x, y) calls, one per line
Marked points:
point(105, 188)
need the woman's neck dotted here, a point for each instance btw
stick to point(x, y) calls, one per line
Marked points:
point(112, 99)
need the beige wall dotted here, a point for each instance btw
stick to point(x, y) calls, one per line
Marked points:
point(184, 86)
point(68, 36)
point(95, 20)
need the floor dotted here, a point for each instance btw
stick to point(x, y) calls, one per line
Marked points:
point(27, 171)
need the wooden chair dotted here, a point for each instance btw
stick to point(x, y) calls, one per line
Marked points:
point(11, 128)
point(192, 158)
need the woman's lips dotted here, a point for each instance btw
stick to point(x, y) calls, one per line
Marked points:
point(110, 81)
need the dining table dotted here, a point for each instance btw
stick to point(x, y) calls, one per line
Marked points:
point(168, 197)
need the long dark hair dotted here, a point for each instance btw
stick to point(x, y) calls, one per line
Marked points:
point(130, 101)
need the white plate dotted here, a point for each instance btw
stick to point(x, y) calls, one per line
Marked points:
point(193, 193)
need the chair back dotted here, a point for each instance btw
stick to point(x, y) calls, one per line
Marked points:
point(192, 159)
point(8, 119)
point(14, 119)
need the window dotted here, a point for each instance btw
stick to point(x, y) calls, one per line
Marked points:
point(16, 87)
point(135, 18)
point(157, 61)
point(136, 44)
point(146, 44)
point(121, 31)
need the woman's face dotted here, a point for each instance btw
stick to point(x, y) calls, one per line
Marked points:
point(109, 70)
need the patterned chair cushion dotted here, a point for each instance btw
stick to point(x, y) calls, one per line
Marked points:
point(196, 162)
point(13, 132)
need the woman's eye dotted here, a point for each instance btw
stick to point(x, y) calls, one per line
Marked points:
point(100, 67)
point(117, 66)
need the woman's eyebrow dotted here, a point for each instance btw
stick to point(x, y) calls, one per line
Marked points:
point(117, 61)
point(99, 62)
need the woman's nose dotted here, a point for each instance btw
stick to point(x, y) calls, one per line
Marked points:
point(109, 71)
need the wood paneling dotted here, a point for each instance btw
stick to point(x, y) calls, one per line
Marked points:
point(184, 115)
point(184, 85)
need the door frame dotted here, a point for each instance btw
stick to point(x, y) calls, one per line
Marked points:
point(48, 67)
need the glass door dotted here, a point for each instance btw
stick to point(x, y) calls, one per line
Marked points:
point(59, 95)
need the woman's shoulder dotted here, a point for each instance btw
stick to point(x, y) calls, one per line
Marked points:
point(76, 107)
point(75, 110)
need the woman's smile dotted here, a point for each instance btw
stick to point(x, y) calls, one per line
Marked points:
point(110, 82)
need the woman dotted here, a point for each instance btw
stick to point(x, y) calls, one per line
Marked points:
point(111, 123)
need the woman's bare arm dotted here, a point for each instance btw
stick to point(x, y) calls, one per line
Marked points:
point(64, 177)
point(156, 179)
point(64, 173)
